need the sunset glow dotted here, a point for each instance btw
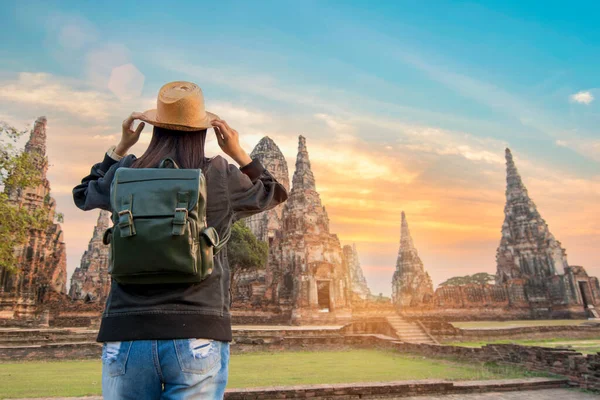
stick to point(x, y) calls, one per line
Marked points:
point(394, 122)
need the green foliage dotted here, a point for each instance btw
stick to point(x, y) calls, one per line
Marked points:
point(18, 170)
point(244, 250)
point(480, 278)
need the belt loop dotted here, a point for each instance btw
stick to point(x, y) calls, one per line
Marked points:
point(126, 225)
point(181, 213)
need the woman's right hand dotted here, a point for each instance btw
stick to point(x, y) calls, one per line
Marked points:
point(229, 141)
point(129, 137)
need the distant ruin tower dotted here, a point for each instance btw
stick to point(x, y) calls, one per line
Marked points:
point(42, 264)
point(90, 281)
point(358, 283)
point(266, 224)
point(527, 249)
point(314, 278)
point(411, 285)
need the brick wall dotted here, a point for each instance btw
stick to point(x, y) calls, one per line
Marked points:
point(581, 370)
point(444, 331)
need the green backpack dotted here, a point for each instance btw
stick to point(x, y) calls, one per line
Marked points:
point(160, 233)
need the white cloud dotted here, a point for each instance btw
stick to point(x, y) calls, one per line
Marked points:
point(582, 97)
point(238, 115)
point(562, 143)
point(586, 146)
point(443, 142)
point(108, 138)
point(43, 90)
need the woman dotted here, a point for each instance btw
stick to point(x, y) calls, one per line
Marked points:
point(171, 341)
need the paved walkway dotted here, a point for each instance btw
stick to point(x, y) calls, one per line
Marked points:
point(558, 394)
point(548, 394)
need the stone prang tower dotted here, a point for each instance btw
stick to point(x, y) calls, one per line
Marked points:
point(314, 280)
point(411, 285)
point(90, 281)
point(266, 224)
point(357, 278)
point(527, 248)
point(42, 263)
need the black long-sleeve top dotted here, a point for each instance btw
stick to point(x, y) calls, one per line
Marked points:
point(178, 311)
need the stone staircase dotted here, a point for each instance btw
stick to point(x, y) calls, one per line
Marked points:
point(593, 312)
point(37, 337)
point(410, 332)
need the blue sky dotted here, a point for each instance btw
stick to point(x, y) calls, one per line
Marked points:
point(431, 91)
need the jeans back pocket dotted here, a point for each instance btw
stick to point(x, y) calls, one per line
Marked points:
point(198, 356)
point(114, 357)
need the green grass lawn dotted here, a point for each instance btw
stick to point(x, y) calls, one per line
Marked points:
point(585, 346)
point(79, 378)
point(516, 324)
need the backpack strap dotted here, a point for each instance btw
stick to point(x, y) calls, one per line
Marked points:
point(222, 243)
point(181, 213)
point(126, 225)
point(213, 238)
point(168, 162)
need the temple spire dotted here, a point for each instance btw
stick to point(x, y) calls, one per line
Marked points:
point(411, 284)
point(37, 137)
point(406, 242)
point(103, 221)
point(303, 176)
point(527, 247)
point(514, 183)
point(36, 145)
point(272, 159)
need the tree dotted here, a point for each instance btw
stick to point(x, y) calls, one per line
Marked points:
point(18, 170)
point(481, 278)
point(244, 251)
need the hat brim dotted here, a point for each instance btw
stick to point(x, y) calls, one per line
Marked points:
point(150, 116)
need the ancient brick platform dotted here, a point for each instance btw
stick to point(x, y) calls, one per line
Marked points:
point(390, 390)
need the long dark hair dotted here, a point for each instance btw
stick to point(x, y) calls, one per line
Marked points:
point(185, 147)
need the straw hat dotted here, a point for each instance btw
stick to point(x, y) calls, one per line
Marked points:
point(180, 106)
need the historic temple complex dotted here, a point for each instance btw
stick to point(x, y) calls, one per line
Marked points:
point(411, 285)
point(533, 277)
point(309, 277)
point(42, 264)
point(90, 281)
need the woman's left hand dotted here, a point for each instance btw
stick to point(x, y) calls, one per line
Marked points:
point(129, 136)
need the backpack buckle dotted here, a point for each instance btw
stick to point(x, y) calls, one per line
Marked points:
point(126, 223)
point(182, 209)
point(179, 221)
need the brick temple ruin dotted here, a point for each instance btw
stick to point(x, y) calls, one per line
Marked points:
point(533, 277)
point(42, 262)
point(37, 293)
point(90, 281)
point(411, 285)
point(308, 277)
point(306, 274)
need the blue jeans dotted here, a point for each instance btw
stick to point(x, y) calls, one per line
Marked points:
point(165, 369)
